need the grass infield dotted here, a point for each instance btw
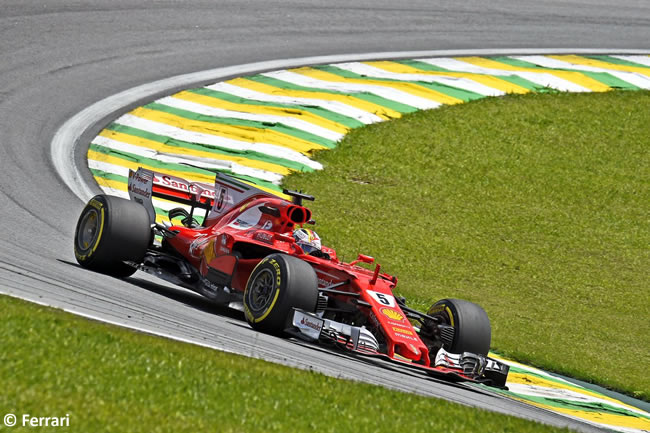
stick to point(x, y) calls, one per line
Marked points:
point(536, 207)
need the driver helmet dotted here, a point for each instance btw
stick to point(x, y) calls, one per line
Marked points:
point(308, 240)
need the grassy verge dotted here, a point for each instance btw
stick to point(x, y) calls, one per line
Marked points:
point(113, 380)
point(537, 207)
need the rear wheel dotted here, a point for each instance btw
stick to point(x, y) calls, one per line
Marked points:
point(472, 330)
point(110, 231)
point(278, 284)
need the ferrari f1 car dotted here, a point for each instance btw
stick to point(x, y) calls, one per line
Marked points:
point(243, 254)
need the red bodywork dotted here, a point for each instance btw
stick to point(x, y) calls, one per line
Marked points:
point(230, 244)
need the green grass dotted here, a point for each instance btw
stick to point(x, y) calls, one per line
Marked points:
point(537, 207)
point(109, 379)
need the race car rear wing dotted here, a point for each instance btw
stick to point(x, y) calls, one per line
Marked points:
point(226, 193)
point(145, 184)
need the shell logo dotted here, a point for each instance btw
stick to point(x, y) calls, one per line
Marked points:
point(392, 314)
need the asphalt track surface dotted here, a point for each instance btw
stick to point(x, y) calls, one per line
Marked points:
point(59, 57)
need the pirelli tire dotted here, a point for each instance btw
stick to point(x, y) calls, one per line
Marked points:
point(278, 284)
point(472, 329)
point(110, 231)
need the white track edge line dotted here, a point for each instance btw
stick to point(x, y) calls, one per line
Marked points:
point(120, 324)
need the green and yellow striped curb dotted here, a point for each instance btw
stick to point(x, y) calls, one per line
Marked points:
point(265, 126)
point(557, 394)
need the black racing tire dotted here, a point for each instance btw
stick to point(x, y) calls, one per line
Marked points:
point(111, 230)
point(472, 329)
point(278, 284)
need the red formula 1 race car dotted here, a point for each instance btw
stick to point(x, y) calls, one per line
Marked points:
point(252, 252)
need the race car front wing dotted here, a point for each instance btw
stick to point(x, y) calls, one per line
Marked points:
point(466, 366)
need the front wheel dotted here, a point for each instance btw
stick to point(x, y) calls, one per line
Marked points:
point(472, 329)
point(110, 231)
point(277, 285)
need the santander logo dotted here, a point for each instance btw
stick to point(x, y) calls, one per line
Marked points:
point(309, 324)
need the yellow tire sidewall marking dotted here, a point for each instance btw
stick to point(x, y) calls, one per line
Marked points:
point(278, 282)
